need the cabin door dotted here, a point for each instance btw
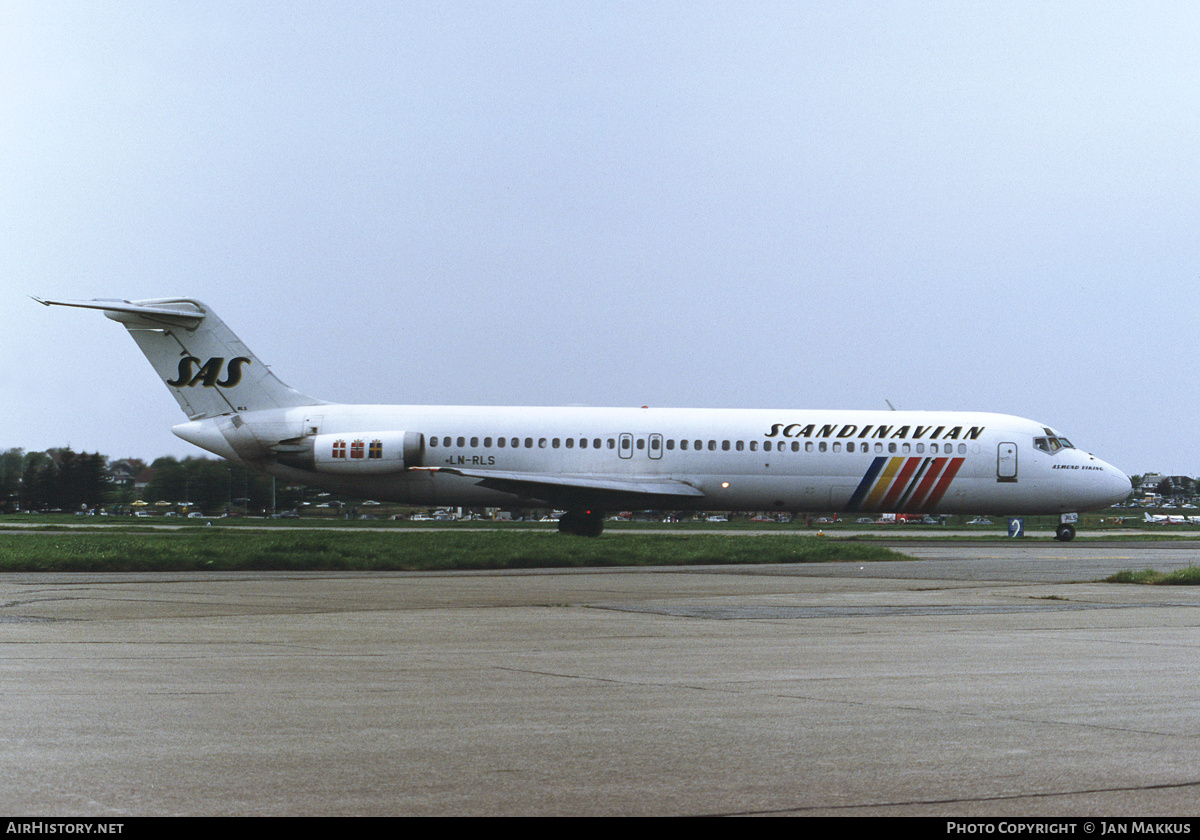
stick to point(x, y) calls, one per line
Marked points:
point(1006, 462)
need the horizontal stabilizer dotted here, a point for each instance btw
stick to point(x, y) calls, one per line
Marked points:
point(182, 314)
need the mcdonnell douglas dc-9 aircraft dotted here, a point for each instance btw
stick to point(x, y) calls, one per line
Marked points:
point(590, 460)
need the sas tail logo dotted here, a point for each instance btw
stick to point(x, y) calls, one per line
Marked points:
point(209, 373)
point(913, 485)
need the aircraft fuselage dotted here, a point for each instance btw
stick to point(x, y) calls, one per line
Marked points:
point(787, 460)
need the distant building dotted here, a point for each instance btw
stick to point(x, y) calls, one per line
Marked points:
point(123, 473)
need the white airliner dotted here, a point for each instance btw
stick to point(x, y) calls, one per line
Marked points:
point(590, 460)
point(1168, 519)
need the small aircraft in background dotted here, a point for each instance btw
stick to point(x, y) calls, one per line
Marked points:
point(1168, 519)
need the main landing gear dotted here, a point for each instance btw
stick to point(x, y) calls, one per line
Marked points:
point(582, 523)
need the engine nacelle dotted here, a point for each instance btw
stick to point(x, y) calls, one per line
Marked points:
point(359, 453)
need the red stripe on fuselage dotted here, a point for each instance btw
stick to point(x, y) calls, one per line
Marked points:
point(931, 476)
point(944, 484)
point(910, 466)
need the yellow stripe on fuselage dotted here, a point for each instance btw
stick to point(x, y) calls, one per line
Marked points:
point(883, 483)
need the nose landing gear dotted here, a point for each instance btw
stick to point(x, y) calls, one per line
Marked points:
point(1066, 527)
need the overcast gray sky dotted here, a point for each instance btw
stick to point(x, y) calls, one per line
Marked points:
point(989, 206)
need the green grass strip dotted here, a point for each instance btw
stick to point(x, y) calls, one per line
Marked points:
point(1189, 576)
point(221, 550)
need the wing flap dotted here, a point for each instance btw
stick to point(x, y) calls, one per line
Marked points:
point(578, 488)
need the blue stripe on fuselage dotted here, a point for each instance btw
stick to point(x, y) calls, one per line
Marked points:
point(864, 486)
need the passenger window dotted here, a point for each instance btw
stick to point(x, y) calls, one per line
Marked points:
point(795, 446)
point(462, 442)
point(555, 443)
point(487, 443)
point(724, 446)
point(822, 446)
point(754, 445)
point(808, 446)
point(740, 445)
point(474, 442)
point(542, 443)
point(529, 443)
point(837, 447)
point(670, 445)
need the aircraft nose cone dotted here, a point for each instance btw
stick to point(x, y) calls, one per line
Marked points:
point(1113, 487)
point(1122, 486)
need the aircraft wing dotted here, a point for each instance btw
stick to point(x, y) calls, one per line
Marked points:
point(562, 490)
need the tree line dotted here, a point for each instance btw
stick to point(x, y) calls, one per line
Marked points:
point(61, 479)
point(56, 478)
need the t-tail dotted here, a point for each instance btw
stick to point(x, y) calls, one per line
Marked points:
point(207, 368)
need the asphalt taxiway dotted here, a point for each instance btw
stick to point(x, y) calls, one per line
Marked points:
point(976, 679)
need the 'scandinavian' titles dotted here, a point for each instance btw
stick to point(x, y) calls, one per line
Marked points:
point(877, 432)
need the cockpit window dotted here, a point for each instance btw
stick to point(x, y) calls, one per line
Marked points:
point(1051, 444)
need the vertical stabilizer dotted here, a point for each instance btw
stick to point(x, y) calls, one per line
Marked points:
point(206, 367)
